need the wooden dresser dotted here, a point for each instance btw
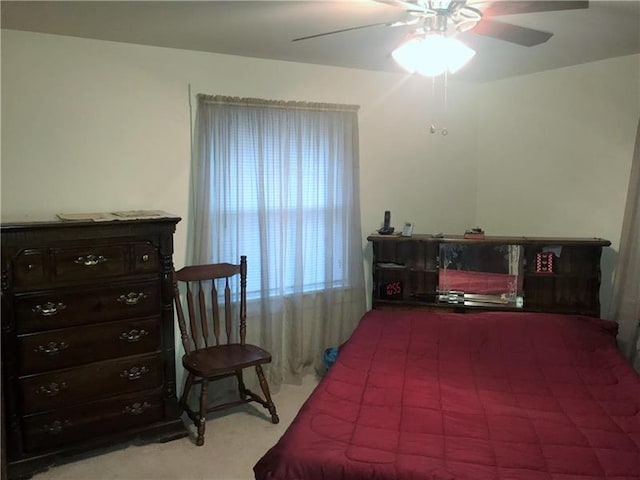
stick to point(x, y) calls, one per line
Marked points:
point(87, 338)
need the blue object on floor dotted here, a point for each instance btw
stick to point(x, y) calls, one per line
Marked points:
point(330, 356)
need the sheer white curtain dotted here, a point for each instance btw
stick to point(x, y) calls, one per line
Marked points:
point(626, 302)
point(278, 182)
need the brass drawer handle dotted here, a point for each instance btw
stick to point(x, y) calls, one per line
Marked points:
point(137, 408)
point(49, 308)
point(133, 335)
point(132, 298)
point(90, 260)
point(56, 427)
point(51, 348)
point(134, 373)
point(52, 389)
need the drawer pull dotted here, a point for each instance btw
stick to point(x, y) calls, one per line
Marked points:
point(134, 373)
point(133, 335)
point(56, 427)
point(52, 389)
point(137, 408)
point(51, 348)
point(145, 258)
point(49, 309)
point(132, 298)
point(90, 260)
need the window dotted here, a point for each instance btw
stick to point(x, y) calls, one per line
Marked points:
point(282, 188)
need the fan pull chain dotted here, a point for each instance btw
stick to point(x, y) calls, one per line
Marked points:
point(432, 128)
point(440, 105)
point(445, 132)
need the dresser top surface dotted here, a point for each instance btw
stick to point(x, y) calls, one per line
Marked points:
point(493, 239)
point(83, 220)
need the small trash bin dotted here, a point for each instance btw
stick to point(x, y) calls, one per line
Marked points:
point(329, 357)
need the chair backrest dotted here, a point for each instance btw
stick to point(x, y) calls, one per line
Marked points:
point(200, 280)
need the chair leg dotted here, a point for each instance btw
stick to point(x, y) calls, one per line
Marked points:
point(267, 396)
point(202, 418)
point(242, 389)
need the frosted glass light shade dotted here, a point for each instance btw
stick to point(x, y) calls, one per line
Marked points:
point(432, 55)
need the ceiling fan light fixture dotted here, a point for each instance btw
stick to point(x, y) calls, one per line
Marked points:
point(432, 54)
point(459, 55)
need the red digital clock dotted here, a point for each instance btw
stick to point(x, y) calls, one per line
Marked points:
point(391, 290)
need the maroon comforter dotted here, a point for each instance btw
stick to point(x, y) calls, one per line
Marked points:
point(508, 396)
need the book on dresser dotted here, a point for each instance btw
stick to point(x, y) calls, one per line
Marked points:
point(87, 338)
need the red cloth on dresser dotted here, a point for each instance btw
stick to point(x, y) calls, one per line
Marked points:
point(479, 282)
point(500, 396)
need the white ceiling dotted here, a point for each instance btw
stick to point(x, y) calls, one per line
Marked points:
point(265, 29)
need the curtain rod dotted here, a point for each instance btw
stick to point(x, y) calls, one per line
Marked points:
point(258, 102)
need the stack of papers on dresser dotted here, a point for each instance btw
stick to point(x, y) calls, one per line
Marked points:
point(110, 216)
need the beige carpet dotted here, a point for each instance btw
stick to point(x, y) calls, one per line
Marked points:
point(234, 442)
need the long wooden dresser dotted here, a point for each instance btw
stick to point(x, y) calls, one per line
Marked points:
point(87, 338)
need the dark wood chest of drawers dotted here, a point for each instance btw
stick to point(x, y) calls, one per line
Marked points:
point(87, 338)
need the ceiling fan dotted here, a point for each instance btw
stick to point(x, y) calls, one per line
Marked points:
point(452, 16)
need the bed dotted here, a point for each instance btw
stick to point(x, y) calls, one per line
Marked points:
point(475, 396)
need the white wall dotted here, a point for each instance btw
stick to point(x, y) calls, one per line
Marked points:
point(555, 149)
point(554, 153)
point(89, 125)
point(99, 126)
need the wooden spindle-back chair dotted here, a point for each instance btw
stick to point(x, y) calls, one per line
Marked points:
point(210, 356)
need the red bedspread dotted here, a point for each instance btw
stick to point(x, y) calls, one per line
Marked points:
point(433, 396)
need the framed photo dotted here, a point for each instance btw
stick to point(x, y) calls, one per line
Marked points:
point(544, 262)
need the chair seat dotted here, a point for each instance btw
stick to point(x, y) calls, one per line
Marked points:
point(223, 359)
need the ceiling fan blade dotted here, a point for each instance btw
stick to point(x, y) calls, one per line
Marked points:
point(526, 37)
point(508, 7)
point(409, 6)
point(404, 24)
point(339, 31)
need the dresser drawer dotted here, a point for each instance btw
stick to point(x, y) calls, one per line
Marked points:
point(145, 258)
point(42, 352)
point(47, 267)
point(29, 267)
point(64, 308)
point(89, 382)
point(90, 420)
point(90, 262)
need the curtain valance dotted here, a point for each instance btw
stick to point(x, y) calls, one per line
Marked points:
point(288, 104)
